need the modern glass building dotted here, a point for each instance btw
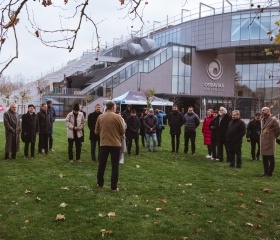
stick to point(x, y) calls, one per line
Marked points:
point(205, 62)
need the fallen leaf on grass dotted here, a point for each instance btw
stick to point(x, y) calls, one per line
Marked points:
point(104, 232)
point(38, 199)
point(146, 215)
point(210, 221)
point(266, 190)
point(260, 215)
point(137, 166)
point(159, 209)
point(61, 175)
point(65, 188)
point(188, 184)
point(26, 221)
point(59, 217)
point(111, 214)
point(243, 205)
point(63, 205)
point(162, 201)
point(259, 201)
point(101, 214)
point(258, 226)
point(249, 224)
point(240, 194)
point(27, 191)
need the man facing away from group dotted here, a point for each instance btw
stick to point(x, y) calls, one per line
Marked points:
point(29, 130)
point(253, 136)
point(236, 131)
point(110, 128)
point(94, 138)
point(12, 131)
point(175, 122)
point(191, 121)
point(270, 130)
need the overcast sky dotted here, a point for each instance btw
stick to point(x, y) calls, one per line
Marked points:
point(36, 59)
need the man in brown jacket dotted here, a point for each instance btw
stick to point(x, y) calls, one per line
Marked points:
point(110, 128)
point(270, 130)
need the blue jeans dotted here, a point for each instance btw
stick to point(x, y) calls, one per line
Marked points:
point(154, 137)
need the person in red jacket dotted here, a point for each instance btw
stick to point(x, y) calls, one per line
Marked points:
point(206, 131)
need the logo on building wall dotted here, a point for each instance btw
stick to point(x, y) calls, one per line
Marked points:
point(214, 69)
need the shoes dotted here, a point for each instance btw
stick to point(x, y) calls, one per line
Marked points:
point(115, 190)
point(98, 186)
point(193, 153)
point(79, 161)
point(71, 161)
point(217, 159)
point(208, 156)
point(51, 150)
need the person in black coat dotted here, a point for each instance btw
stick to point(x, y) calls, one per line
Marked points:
point(94, 139)
point(253, 135)
point(29, 130)
point(236, 131)
point(175, 122)
point(221, 125)
point(44, 126)
point(132, 131)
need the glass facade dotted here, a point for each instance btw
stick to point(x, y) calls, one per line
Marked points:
point(246, 26)
point(171, 36)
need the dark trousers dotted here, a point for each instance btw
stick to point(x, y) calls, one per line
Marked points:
point(175, 142)
point(253, 149)
point(51, 137)
point(143, 139)
point(234, 152)
point(129, 142)
point(158, 133)
point(43, 143)
point(268, 165)
point(26, 149)
point(190, 135)
point(115, 156)
point(93, 144)
point(221, 142)
point(209, 149)
point(78, 147)
point(214, 147)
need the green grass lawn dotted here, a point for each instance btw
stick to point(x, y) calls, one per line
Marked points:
point(199, 198)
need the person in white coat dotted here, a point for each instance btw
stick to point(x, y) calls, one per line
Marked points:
point(75, 123)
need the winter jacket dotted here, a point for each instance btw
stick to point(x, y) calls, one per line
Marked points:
point(70, 123)
point(191, 121)
point(221, 125)
point(29, 127)
point(92, 118)
point(52, 113)
point(236, 131)
point(43, 122)
point(175, 122)
point(254, 130)
point(212, 127)
point(150, 122)
point(133, 126)
point(206, 131)
point(160, 117)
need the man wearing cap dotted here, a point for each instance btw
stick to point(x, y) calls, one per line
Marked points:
point(52, 114)
point(29, 130)
point(12, 131)
point(44, 125)
point(150, 124)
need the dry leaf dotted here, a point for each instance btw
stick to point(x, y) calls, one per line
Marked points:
point(101, 214)
point(243, 205)
point(260, 215)
point(258, 226)
point(162, 201)
point(27, 191)
point(38, 199)
point(188, 184)
point(146, 215)
point(111, 214)
point(259, 201)
point(137, 166)
point(26, 221)
point(104, 231)
point(159, 209)
point(210, 221)
point(65, 188)
point(249, 224)
point(60, 217)
point(266, 190)
point(240, 194)
point(61, 175)
point(63, 205)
